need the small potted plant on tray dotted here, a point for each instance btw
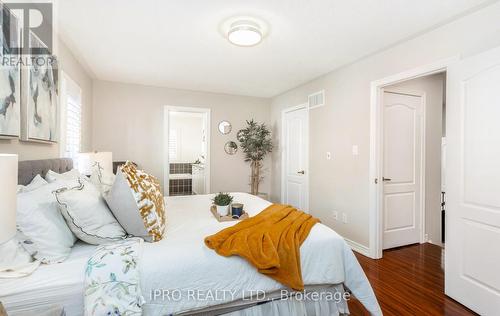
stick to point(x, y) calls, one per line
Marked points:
point(222, 201)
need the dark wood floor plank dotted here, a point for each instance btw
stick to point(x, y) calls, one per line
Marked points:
point(409, 281)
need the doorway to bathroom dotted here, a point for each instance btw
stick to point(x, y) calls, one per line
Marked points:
point(186, 152)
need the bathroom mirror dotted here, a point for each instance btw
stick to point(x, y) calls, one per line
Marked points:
point(225, 127)
point(231, 148)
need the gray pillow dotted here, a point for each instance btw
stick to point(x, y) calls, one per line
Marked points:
point(137, 203)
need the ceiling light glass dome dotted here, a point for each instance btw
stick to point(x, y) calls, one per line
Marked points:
point(244, 33)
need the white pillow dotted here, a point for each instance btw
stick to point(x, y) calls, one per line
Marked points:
point(52, 176)
point(36, 183)
point(48, 237)
point(87, 214)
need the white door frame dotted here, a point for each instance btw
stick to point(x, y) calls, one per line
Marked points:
point(376, 145)
point(166, 129)
point(283, 156)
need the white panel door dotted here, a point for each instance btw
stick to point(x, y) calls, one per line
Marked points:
point(472, 253)
point(402, 169)
point(295, 157)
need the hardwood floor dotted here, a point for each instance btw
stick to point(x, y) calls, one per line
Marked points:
point(409, 281)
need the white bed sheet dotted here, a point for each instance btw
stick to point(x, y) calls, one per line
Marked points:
point(54, 284)
point(182, 262)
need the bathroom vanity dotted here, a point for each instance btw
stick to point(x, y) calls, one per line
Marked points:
point(199, 179)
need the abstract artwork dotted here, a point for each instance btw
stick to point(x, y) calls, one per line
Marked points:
point(10, 80)
point(39, 98)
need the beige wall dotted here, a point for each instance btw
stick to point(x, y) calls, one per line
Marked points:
point(128, 120)
point(433, 87)
point(30, 150)
point(342, 183)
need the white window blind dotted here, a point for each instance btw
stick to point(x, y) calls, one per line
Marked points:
point(172, 145)
point(73, 128)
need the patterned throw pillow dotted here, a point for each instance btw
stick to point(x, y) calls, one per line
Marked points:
point(137, 203)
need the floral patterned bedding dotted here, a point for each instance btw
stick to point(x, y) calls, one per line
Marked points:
point(112, 278)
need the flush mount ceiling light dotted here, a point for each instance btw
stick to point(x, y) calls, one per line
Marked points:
point(244, 31)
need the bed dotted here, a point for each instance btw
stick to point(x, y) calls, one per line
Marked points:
point(181, 262)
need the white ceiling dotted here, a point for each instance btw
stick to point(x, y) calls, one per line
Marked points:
point(177, 43)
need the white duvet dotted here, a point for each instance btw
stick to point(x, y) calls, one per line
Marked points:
point(181, 263)
point(189, 275)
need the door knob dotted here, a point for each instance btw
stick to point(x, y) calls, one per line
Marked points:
point(301, 172)
point(386, 179)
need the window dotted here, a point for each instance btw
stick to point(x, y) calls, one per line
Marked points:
point(71, 119)
point(172, 145)
point(73, 128)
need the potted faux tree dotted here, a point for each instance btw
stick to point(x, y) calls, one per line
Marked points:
point(255, 141)
point(222, 201)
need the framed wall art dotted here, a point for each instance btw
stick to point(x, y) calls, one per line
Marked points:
point(39, 97)
point(10, 75)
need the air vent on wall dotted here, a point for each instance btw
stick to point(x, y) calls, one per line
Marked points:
point(316, 99)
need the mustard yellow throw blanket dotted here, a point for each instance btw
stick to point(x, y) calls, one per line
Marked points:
point(270, 241)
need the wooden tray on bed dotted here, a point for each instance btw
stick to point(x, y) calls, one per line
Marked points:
point(226, 218)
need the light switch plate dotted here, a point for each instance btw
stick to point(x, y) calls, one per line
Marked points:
point(355, 150)
point(328, 155)
point(344, 218)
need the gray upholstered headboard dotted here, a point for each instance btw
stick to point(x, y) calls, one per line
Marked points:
point(28, 169)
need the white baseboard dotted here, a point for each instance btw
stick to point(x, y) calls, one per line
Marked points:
point(365, 251)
